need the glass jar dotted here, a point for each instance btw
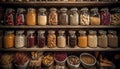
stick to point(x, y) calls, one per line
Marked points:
point(92, 39)
point(9, 16)
point(105, 16)
point(53, 17)
point(61, 39)
point(41, 39)
point(1, 39)
point(9, 39)
point(82, 39)
point(94, 17)
point(102, 39)
point(30, 39)
point(1, 16)
point(72, 39)
point(74, 16)
point(31, 17)
point(112, 39)
point(115, 16)
point(51, 39)
point(84, 16)
point(63, 17)
point(20, 16)
point(18, 0)
point(42, 17)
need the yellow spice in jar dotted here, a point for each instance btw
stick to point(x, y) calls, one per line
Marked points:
point(94, 20)
point(82, 41)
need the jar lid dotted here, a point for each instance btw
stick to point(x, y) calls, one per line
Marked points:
point(41, 31)
point(112, 32)
point(20, 32)
point(51, 31)
point(116, 10)
point(53, 9)
point(104, 9)
point(82, 32)
point(63, 9)
point(74, 9)
point(61, 31)
point(71, 31)
point(20, 10)
point(92, 32)
point(102, 32)
point(10, 31)
point(10, 10)
point(94, 9)
point(42, 9)
point(84, 9)
point(30, 32)
point(31, 9)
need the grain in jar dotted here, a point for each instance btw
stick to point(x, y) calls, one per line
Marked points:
point(102, 39)
point(74, 16)
point(112, 38)
point(19, 39)
point(9, 39)
point(82, 39)
point(61, 39)
point(53, 17)
point(31, 17)
point(63, 16)
point(42, 17)
point(92, 39)
point(51, 39)
point(41, 38)
point(1, 39)
point(94, 17)
point(84, 16)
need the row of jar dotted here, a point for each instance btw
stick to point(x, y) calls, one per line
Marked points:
point(83, 40)
point(61, 17)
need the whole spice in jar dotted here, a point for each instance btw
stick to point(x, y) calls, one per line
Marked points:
point(41, 39)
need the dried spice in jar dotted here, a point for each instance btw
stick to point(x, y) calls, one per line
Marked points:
point(63, 17)
point(82, 39)
point(53, 17)
point(1, 39)
point(41, 39)
point(105, 16)
point(20, 16)
point(9, 39)
point(19, 39)
point(51, 39)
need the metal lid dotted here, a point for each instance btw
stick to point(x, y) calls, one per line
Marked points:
point(112, 32)
point(42, 9)
point(72, 32)
point(94, 9)
point(41, 32)
point(102, 32)
point(20, 10)
point(20, 32)
point(31, 9)
point(53, 9)
point(104, 9)
point(61, 31)
point(92, 32)
point(63, 9)
point(30, 32)
point(82, 32)
point(74, 9)
point(84, 9)
point(10, 31)
point(51, 31)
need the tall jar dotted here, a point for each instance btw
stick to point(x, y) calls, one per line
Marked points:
point(1, 39)
point(105, 16)
point(9, 39)
point(74, 16)
point(42, 17)
point(51, 39)
point(92, 39)
point(53, 17)
point(102, 39)
point(112, 39)
point(19, 39)
point(61, 39)
point(20, 16)
point(63, 17)
point(31, 17)
point(82, 39)
point(30, 39)
point(84, 16)
point(94, 17)
point(41, 38)
point(72, 39)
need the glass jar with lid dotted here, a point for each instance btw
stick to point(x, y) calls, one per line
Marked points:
point(112, 38)
point(74, 16)
point(72, 39)
point(1, 39)
point(42, 17)
point(53, 17)
point(41, 38)
point(9, 39)
point(102, 39)
point(82, 39)
point(51, 39)
point(94, 17)
point(31, 17)
point(30, 39)
point(84, 16)
point(63, 17)
point(20, 16)
point(61, 39)
point(92, 39)
point(19, 39)
point(105, 16)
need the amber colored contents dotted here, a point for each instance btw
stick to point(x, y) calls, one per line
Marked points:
point(82, 41)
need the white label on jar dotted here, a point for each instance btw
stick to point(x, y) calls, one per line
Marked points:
point(92, 41)
point(42, 20)
point(74, 19)
point(61, 42)
point(19, 41)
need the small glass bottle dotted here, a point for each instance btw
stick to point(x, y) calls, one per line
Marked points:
point(51, 39)
point(9, 39)
point(112, 39)
point(42, 17)
point(61, 39)
point(63, 17)
point(53, 17)
point(92, 39)
point(82, 39)
point(41, 39)
point(72, 39)
point(19, 39)
point(74, 16)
